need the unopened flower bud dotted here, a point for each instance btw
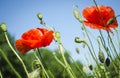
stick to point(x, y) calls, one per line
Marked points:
point(101, 56)
point(77, 50)
point(36, 64)
point(3, 27)
point(90, 67)
point(57, 36)
point(107, 61)
point(39, 15)
point(84, 69)
point(78, 40)
point(76, 14)
point(111, 20)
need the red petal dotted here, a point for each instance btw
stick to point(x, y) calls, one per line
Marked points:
point(98, 18)
point(33, 34)
point(43, 30)
point(21, 47)
point(33, 38)
point(96, 26)
point(48, 37)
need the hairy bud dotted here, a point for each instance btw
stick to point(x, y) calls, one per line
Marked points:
point(101, 57)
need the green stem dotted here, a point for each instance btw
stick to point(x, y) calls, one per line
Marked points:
point(118, 39)
point(104, 46)
point(67, 65)
point(108, 53)
point(83, 74)
point(9, 63)
point(41, 64)
point(92, 53)
point(16, 54)
point(58, 60)
point(113, 46)
point(91, 49)
point(115, 51)
point(1, 75)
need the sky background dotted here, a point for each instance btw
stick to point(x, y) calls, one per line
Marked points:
point(21, 15)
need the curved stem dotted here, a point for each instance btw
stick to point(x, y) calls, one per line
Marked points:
point(108, 53)
point(41, 64)
point(1, 75)
point(83, 74)
point(16, 54)
point(113, 46)
point(9, 63)
point(58, 60)
point(68, 68)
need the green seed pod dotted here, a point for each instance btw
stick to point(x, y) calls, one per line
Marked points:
point(39, 15)
point(3, 27)
point(101, 56)
point(107, 61)
point(90, 67)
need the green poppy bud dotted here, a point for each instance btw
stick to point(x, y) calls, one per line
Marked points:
point(76, 14)
point(57, 36)
point(84, 69)
point(77, 50)
point(101, 56)
point(90, 67)
point(110, 21)
point(36, 64)
point(3, 27)
point(78, 40)
point(39, 15)
point(107, 61)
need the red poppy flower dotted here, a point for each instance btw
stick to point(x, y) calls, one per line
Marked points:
point(98, 19)
point(34, 38)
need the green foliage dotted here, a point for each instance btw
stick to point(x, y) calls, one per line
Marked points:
point(4, 67)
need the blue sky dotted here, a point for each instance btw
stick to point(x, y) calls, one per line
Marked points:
point(20, 16)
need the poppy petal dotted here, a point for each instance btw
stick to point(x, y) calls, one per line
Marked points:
point(33, 38)
point(47, 39)
point(96, 26)
point(97, 17)
point(48, 36)
point(21, 47)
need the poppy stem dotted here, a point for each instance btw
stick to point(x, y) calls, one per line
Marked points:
point(113, 46)
point(68, 68)
point(42, 60)
point(107, 51)
point(16, 54)
point(77, 66)
point(1, 75)
point(9, 63)
point(35, 54)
